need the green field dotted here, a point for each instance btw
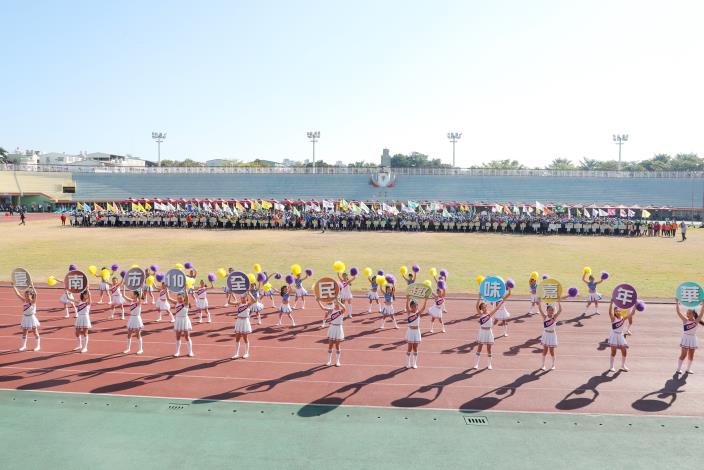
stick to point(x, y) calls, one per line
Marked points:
point(654, 265)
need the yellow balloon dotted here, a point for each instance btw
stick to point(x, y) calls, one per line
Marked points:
point(428, 283)
point(534, 275)
point(179, 266)
point(403, 270)
point(149, 281)
point(190, 282)
point(480, 279)
point(296, 269)
point(338, 267)
point(222, 274)
point(252, 278)
point(267, 286)
point(433, 272)
point(586, 271)
point(51, 281)
point(92, 269)
point(257, 268)
point(367, 272)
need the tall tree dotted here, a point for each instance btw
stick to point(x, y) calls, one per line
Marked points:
point(503, 165)
point(561, 164)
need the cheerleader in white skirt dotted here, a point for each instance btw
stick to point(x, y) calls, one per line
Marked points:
point(134, 321)
point(593, 297)
point(486, 334)
point(243, 327)
point(182, 325)
point(83, 323)
point(346, 291)
point(257, 306)
point(300, 291)
point(413, 335)
point(373, 294)
point(502, 315)
point(387, 310)
point(534, 300)
point(29, 320)
point(549, 338)
point(162, 303)
point(201, 296)
point(116, 298)
point(67, 299)
point(269, 291)
point(437, 309)
point(617, 341)
point(336, 333)
point(285, 307)
point(103, 286)
point(689, 342)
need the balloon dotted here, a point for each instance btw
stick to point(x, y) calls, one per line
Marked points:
point(179, 266)
point(381, 280)
point(160, 277)
point(51, 281)
point(390, 279)
point(338, 267)
point(604, 275)
point(479, 279)
point(72, 267)
point(586, 271)
point(367, 272)
point(441, 284)
point(534, 275)
point(427, 283)
point(252, 278)
point(296, 269)
point(257, 268)
point(354, 271)
point(188, 265)
point(309, 272)
point(572, 292)
point(433, 272)
point(403, 270)
point(640, 306)
point(149, 281)
point(261, 277)
point(92, 269)
point(415, 268)
point(510, 284)
point(115, 267)
point(190, 282)
point(222, 274)
point(212, 277)
point(289, 279)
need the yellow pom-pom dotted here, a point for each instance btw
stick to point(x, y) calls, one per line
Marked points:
point(222, 274)
point(257, 268)
point(338, 267)
point(179, 266)
point(587, 271)
point(428, 283)
point(92, 269)
point(403, 270)
point(367, 272)
point(480, 279)
point(267, 286)
point(296, 269)
point(433, 272)
point(252, 278)
point(534, 275)
point(105, 274)
point(381, 280)
point(134, 266)
point(190, 282)
point(149, 281)
point(51, 281)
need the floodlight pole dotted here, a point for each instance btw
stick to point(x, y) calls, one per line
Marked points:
point(454, 137)
point(314, 136)
point(158, 137)
point(620, 139)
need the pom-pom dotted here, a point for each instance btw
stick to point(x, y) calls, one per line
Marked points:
point(188, 265)
point(586, 271)
point(427, 283)
point(278, 276)
point(115, 267)
point(510, 284)
point(289, 279)
point(257, 268)
point(160, 277)
point(222, 274)
point(212, 277)
point(534, 275)
point(545, 276)
point(338, 267)
point(640, 305)
point(267, 287)
point(153, 268)
point(354, 271)
point(367, 272)
point(309, 272)
point(572, 292)
point(403, 270)
point(149, 281)
point(441, 284)
point(433, 272)
point(479, 279)
point(105, 274)
point(380, 272)
point(381, 280)
point(134, 266)
point(443, 273)
point(415, 268)
point(390, 279)
point(72, 267)
point(261, 277)
point(51, 281)
point(179, 266)
point(92, 269)
point(604, 275)
point(296, 269)
point(190, 282)
point(123, 273)
point(252, 278)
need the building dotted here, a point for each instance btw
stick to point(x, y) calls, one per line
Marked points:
point(28, 157)
point(385, 158)
point(56, 158)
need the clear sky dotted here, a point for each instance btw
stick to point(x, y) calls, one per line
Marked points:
point(526, 79)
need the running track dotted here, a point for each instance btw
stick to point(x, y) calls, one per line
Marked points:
point(286, 364)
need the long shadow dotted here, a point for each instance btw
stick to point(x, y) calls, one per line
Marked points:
point(494, 397)
point(662, 399)
point(436, 389)
point(464, 348)
point(576, 321)
point(334, 399)
point(36, 358)
point(387, 346)
point(585, 394)
point(603, 345)
point(529, 343)
point(521, 318)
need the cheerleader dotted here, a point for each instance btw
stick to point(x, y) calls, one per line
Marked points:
point(269, 292)
point(29, 316)
point(103, 286)
point(617, 341)
point(182, 325)
point(373, 294)
point(410, 278)
point(336, 334)
point(162, 303)
point(201, 296)
point(689, 342)
point(134, 322)
point(346, 291)
point(243, 327)
point(413, 332)
point(257, 306)
point(387, 310)
point(300, 291)
point(502, 316)
point(67, 299)
point(82, 323)
point(549, 338)
point(116, 298)
point(149, 290)
point(486, 334)
point(593, 297)
point(285, 308)
point(229, 296)
point(533, 286)
point(437, 309)
point(327, 308)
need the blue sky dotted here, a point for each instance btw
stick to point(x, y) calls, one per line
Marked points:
point(527, 80)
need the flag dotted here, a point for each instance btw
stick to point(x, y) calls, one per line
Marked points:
point(579, 213)
point(226, 208)
point(134, 207)
point(602, 213)
point(645, 214)
point(622, 213)
point(611, 212)
point(405, 208)
point(445, 213)
point(147, 206)
point(344, 205)
point(412, 205)
point(109, 207)
point(364, 207)
point(239, 206)
point(266, 205)
point(507, 210)
point(295, 211)
point(96, 207)
point(278, 206)
point(539, 207)
point(328, 205)
point(516, 210)
point(631, 213)
point(421, 210)
point(355, 209)
point(569, 213)
point(385, 207)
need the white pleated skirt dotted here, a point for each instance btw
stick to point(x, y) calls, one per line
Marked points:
point(689, 342)
point(117, 299)
point(373, 296)
point(65, 299)
point(162, 305)
point(183, 324)
point(29, 321)
point(387, 310)
point(502, 314)
point(285, 308)
point(201, 304)
point(435, 311)
point(257, 307)
point(549, 339)
point(413, 335)
point(346, 293)
point(134, 322)
point(593, 297)
point(301, 292)
point(82, 321)
point(336, 333)
point(534, 298)
point(485, 336)
point(103, 286)
point(617, 340)
point(243, 326)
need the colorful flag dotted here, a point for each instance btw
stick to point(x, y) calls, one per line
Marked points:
point(364, 207)
point(645, 214)
point(147, 206)
point(96, 207)
point(631, 213)
point(239, 206)
point(266, 205)
point(412, 205)
point(539, 208)
point(622, 213)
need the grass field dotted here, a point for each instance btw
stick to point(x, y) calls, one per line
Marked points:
point(654, 265)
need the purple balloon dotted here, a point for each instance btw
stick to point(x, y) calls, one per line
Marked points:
point(159, 277)
point(212, 277)
point(443, 273)
point(115, 267)
point(72, 267)
point(123, 273)
point(415, 268)
point(354, 271)
point(309, 272)
point(604, 275)
point(640, 306)
point(154, 268)
point(390, 279)
point(289, 279)
point(187, 265)
point(380, 272)
point(261, 277)
point(441, 284)
point(572, 291)
point(510, 284)
point(277, 275)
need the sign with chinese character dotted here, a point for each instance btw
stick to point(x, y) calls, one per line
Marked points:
point(175, 280)
point(134, 279)
point(238, 282)
point(690, 294)
point(419, 291)
point(76, 282)
point(624, 296)
point(326, 289)
point(550, 290)
point(492, 289)
point(21, 278)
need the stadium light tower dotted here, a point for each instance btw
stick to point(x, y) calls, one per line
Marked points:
point(159, 137)
point(314, 136)
point(620, 140)
point(454, 137)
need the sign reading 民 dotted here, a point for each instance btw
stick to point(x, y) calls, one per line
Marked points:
point(326, 289)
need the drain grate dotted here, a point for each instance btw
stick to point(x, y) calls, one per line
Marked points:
point(476, 420)
point(178, 406)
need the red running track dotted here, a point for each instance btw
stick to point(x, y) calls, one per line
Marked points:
point(287, 363)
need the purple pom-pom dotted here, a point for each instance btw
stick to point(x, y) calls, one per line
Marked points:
point(415, 268)
point(187, 265)
point(154, 268)
point(289, 279)
point(277, 275)
point(443, 273)
point(354, 271)
point(545, 276)
point(390, 279)
point(261, 277)
point(604, 275)
point(160, 277)
point(380, 272)
point(115, 267)
point(573, 291)
point(510, 284)
point(123, 273)
point(212, 277)
point(309, 272)
point(640, 306)
point(72, 267)
point(441, 284)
